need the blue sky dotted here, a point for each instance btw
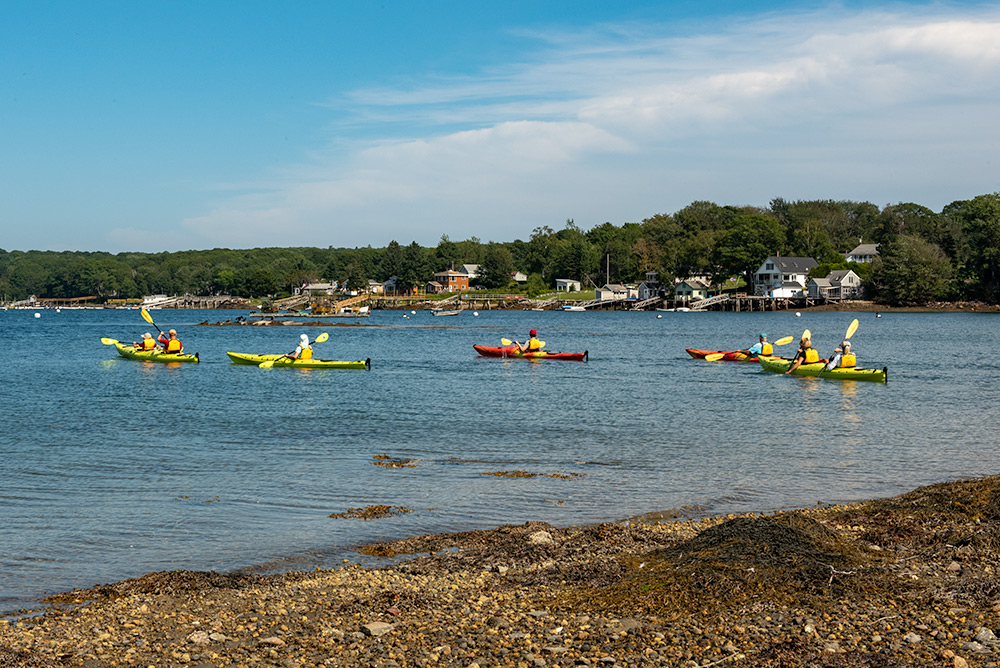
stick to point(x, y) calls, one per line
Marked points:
point(168, 126)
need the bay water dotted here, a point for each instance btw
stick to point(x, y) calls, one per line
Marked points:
point(111, 468)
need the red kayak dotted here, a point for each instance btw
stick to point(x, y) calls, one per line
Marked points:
point(514, 351)
point(727, 355)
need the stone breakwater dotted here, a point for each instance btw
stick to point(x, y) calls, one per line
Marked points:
point(905, 581)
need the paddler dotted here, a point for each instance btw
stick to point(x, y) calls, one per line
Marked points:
point(843, 357)
point(532, 345)
point(303, 351)
point(806, 354)
point(147, 343)
point(170, 342)
point(762, 347)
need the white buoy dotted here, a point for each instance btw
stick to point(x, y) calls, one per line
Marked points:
point(413, 312)
point(798, 315)
point(658, 317)
point(475, 313)
point(38, 315)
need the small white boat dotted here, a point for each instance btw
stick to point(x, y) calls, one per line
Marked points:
point(440, 312)
point(567, 307)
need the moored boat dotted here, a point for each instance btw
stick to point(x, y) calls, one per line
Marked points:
point(727, 355)
point(250, 359)
point(818, 369)
point(514, 351)
point(443, 312)
point(130, 352)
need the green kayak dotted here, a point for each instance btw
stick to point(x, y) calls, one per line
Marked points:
point(283, 361)
point(130, 352)
point(781, 365)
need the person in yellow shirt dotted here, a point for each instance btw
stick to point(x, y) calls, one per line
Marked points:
point(147, 343)
point(303, 351)
point(532, 345)
point(806, 354)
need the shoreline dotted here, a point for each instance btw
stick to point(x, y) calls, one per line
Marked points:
point(907, 580)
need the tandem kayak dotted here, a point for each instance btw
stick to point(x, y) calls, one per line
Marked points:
point(781, 365)
point(130, 352)
point(727, 355)
point(281, 360)
point(514, 351)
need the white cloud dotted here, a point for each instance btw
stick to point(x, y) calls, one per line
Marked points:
point(635, 124)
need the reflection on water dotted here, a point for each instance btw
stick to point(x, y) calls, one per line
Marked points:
point(643, 427)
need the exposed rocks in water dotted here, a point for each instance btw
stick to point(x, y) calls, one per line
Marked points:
point(905, 581)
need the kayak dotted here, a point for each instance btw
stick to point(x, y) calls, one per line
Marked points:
point(514, 351)
point(281, 360)
point(781, 365)
point(727, 355)
point(130, 352)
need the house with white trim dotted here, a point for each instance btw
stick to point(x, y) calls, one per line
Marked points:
point(567, 285)
point(783, 276)
point(838, 284)
point(862, 253)
point(691, 289)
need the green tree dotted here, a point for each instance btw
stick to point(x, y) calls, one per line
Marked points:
point(746, 245)
point(497, 267)
point(910, 271)
point(980, 221)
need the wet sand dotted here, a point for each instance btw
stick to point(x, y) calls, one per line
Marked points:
point(910, 580)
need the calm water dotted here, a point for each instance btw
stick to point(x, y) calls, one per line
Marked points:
point(111, 468)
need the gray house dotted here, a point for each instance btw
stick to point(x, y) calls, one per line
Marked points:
point(838, 284)
point(783, 276)
point(862, 253)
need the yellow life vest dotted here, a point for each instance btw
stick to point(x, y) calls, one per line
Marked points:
point(534, 344)
point(812, 356)
point(306, 354)
point(173, 346)
point(766, 349)
point(848, 360)
point(148, 344)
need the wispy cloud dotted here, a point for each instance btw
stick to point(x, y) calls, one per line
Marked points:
point(622, 123)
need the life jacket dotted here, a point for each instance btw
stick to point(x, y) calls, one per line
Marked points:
point(812, 356)
point(766, 349)
point(848, 360)
point(172, 346)
point(306, 354)
point(534, 344)
point(148, 344)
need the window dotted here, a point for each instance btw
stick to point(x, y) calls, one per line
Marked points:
point(769, 265)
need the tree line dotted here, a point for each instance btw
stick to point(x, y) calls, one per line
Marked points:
point(923, 255)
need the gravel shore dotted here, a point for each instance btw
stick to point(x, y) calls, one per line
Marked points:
point(905, 581)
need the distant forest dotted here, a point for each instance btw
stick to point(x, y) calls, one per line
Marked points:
point(924, 256)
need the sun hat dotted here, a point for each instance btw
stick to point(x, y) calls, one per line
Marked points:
point(304, 338)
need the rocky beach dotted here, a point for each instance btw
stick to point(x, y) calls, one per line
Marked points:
point(910, 580)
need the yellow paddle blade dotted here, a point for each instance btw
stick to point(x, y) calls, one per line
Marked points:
point(145, 316)
point(784, 341)
point(714, 357)
point(506, 342)
point(853, 327)
point(107, 341)
point(541, 344)
point(322, 337)
point(266, 365)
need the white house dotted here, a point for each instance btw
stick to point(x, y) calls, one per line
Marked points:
point(783, 276)
point(518, 276)
point(863, 253)
point(375, 288)
point(567, 285)
point(611, 292)
point(471, 269)
point(690, 289)
point(839, 284)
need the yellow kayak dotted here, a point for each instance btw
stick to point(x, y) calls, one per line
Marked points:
point(281, 360)
point(132, 353)
point(781, 365)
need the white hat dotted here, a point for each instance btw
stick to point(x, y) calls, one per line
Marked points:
point(304, 338)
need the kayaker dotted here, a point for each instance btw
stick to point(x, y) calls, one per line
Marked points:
point(762, 347)
point(843, 357)
point(532, 344)
point(170, 342)
point(303, 351)
point(806, 354)
point(147, 343)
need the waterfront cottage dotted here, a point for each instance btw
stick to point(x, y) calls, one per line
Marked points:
point(783, 276)
point(449, 281)
point(690, 289)
point(862, 253)
point(567, 285)
point(838, 284)
point(611, 292)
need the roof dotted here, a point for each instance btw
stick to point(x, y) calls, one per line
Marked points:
point(695, 283)
point(821, 282)
point(864, 249)
point(451, 272)
point(614, 287)
point(838, 275)
point(567, 280)
point(798, 265)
